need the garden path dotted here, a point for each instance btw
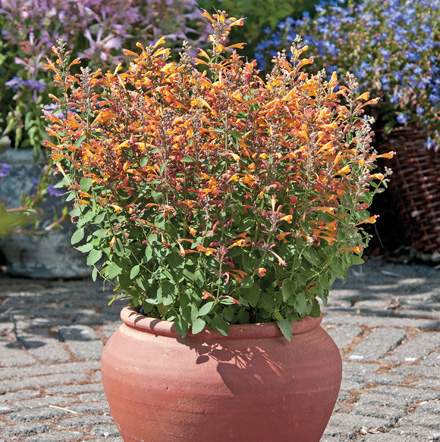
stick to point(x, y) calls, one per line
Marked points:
point(385, 318)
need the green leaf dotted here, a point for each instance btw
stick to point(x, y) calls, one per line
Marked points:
point(77, 236)
point(85, 218)
point(181, 325)
point(300, 304)
point(125, 281)
point(306, 227)
point(134, 271)
point(220, 325)
point(62, 183)
point(85, 184)
point(85, 248)
point(228, 313)
point(80, 140)
point(247, 282)
point(316, 309)
point(311, 256)
point(113, 270)
point(356, 260)
point(248, 262)
point(189, 275)
point(94, 274)
point(171, 230)
point(199, 278)
point(166, 293)
point(175, 261)
point(94, 257)
point(388, 127)
point(100, 233)
point(286, 328)
point(288, 290)
point(99, 218)
point(243, 316)
point(246, 225)
point(267, 300)
point(252, 294)
point(198, 325)
point(157, 196)
point(148, 253)
point(205, 309)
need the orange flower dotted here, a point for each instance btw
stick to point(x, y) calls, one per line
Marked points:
point(261, 271)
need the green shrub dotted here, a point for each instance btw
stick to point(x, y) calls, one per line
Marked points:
point(260, 15)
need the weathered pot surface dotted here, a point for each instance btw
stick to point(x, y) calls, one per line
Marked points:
point(252, 385)
point(45, 256)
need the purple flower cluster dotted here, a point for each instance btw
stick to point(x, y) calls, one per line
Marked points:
point(34, 86)
point(4, 169)
point(392, 46)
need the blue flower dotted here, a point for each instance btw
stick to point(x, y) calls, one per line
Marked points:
point(429, 143)
point(15, 83)
point(385, 83)
point(385, 53)
point(413, 56)
point(402, 118)
point(434, 98)
point(396, 97)
point(4, 169)
point(35, 85)
point(51, 190)
point(397, 75)
point(331, 68)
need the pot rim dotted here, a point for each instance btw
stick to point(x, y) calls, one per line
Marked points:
point(135, 320)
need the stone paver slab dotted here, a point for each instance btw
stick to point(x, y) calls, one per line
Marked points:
point(416, 348)
point(379, 342)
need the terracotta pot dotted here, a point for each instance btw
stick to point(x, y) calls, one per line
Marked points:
point(252, 385)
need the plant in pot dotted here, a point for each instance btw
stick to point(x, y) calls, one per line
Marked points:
point(222, 207)
point(95, 30)
point(392, 48)
point(24, 219)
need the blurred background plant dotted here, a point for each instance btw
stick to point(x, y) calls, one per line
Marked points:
point(13, 221)
point(92, 29)
point(392, 46)
point(260, 15)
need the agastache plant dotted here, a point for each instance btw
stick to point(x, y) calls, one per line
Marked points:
point(392, 46)
point(208, 195)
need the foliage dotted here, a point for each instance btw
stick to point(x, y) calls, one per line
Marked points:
point(260, 14)
point(213, 197)
point(392, 46)
point(93, 29)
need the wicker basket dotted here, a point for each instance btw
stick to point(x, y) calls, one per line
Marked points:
point(415, 186)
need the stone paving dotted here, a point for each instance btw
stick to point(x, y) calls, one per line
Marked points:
point(385, 319)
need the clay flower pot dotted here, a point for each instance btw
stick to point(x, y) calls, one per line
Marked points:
point(252, 385)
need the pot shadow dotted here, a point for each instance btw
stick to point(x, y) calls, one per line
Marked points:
point(242, 370)
point(241, 367)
